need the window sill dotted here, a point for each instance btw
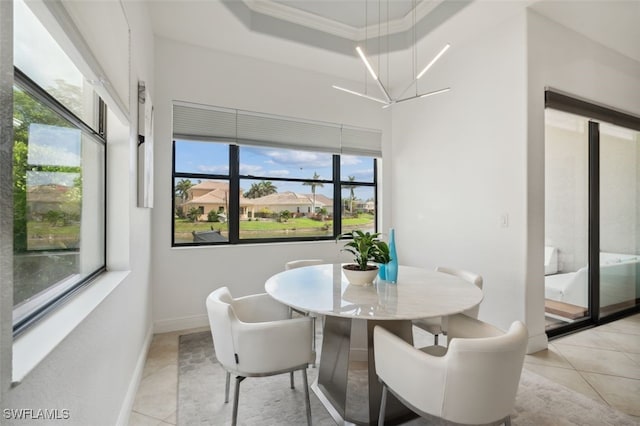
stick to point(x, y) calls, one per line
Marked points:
point(35, 344)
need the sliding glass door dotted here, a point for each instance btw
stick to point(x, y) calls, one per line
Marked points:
point(619, 219)
point(592, 214)
point(566, 218)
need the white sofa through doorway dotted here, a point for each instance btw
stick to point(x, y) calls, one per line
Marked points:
point(619, 281)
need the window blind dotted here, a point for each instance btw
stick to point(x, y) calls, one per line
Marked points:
point(192, 121)
point(203, 122)
point(357, 141)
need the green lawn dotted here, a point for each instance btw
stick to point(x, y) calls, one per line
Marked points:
point(363, 219)
point(45, 228)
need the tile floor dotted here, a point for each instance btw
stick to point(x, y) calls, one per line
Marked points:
point(602, 363)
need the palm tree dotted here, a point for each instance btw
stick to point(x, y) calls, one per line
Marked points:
point(182, 189)
point(313, 184)
point(261, 189)
point(352, 194)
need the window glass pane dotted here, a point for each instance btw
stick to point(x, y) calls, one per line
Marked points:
point(201, 211)
point(619, 219)
point(285, 163)
point(566, 218)
point(202, 157)
point(358, 208)
point(358, 169)
point(39, 56)
point(53, 205)
point(59, 211)
point(285, 209)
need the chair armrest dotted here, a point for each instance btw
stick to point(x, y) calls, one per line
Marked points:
point(417, 376)
point(269, 347)
point(461, 325)
point(259, 308)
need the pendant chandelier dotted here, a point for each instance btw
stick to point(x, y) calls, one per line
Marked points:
point(386, 99)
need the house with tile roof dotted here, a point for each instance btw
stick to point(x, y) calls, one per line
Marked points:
point(214, 196)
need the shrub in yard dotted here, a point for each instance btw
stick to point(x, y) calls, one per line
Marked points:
point(213, 216)
point(193, 214)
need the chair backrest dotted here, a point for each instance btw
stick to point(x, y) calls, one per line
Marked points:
point(470, 277)
point(302, 262)
point(482, 376)
point(221, 317)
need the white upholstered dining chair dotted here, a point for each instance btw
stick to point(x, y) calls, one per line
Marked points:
point(472, 381)
point(293, 264)
point(302, 262)
point(437, 326)
point(253, 336)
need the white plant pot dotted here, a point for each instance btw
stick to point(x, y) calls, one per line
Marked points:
point(360, 277)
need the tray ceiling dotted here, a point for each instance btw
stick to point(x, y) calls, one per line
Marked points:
point(352, 19)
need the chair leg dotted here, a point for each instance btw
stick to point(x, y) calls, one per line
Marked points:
point(226, 388)
point(236, 397)
point(507, 421)
point(291, 380)
point(306, 395)
point(313, 337)
point(383, 405)
point(435, 339)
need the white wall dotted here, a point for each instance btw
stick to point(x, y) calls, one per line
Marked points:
point(466, 160)
point(95, 370)
point(459, 162)
point(183, 277)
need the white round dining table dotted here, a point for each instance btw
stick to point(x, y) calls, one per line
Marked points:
point(323, 289)
point(418, 293)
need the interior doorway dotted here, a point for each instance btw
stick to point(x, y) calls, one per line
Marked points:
point(592, 213)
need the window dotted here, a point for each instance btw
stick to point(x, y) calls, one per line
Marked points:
point(248, 177)
point(59, 158)
point(274, 194)
point(39, 56)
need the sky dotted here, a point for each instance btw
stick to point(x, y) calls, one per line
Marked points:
point(38, 55)
point(213, 158)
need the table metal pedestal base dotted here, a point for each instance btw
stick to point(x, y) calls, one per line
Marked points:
point(352, 395)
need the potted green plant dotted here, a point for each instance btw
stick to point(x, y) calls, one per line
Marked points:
point(366, 247)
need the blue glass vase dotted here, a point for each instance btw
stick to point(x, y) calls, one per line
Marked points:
point(382, 271)
point(392, 266)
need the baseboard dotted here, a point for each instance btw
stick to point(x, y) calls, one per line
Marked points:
point(136, 377)
point(537, 343)
point(183, 323)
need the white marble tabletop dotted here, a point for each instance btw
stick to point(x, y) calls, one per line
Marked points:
point(419, 293)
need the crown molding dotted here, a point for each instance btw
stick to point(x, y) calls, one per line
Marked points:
point(311, 20)
point(301, 17)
